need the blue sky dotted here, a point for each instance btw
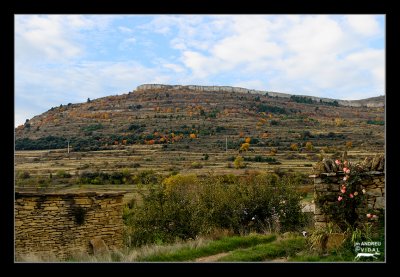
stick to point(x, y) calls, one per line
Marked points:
point(61, 59)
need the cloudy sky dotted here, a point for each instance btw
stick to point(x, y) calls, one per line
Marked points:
point(61, 59)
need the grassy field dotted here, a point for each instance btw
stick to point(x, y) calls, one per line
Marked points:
point(271, 248)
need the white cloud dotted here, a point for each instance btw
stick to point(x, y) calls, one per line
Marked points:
point(363, 24)
point(55, 38)
point(125, 29)
point(174, 67)
point(127, 43)
point(44, 37)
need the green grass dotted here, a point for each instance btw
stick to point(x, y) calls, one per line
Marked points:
point(265, 251)
point(214, 247)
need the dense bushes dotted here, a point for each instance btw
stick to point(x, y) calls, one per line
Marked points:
point(376, 122)
point(49, 142)
point(271, 109)
point(125, 177)
point(185, 206)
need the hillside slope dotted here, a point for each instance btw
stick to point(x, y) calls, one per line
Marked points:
point(204, 117)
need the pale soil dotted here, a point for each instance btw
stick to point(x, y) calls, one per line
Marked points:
point(212, 258)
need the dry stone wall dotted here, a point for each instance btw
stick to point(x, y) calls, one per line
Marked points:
point(61, 225)
point(328, 181)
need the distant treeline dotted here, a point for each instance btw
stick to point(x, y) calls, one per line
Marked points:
point(376, 122)
point(53, 142)
point(308, 100)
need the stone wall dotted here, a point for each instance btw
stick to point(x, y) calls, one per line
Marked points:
point(328, 181)
point(351, 103)
point(60, 225)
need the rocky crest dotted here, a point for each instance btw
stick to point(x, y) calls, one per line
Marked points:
point(369, 102)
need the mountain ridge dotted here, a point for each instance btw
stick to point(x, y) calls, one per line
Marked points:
point(377, 101)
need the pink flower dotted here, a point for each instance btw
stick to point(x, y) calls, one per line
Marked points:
point(374, 216)
point(347, 171)
point(337, 162)
point(343, 190)
point(351, 195)
point(369, 215)
point(339, 198)
point(344, 178)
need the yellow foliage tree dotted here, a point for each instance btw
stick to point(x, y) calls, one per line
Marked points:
point(339, 122)
point(294, 147)
point(239, 162)
point(192, 136)
point(177, 181)
point(309, 146)
point(247, 140)
point(245, 146)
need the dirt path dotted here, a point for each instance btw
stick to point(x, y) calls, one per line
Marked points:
point(277, 260)
point(212, 258)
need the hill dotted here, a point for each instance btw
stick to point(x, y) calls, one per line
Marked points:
point(203, 118)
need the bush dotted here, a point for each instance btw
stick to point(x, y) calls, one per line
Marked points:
point(294, 147)
point(239, 162)
point(184, 206)
point(146, 177)
point(196, 165)
point(24, 175)
point(63, 174)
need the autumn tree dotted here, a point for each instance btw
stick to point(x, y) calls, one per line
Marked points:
point(309, 146)
point(339, 122)
point(247, 140)
point(294, 147)
point(192, 136)
point(239, 162)
point(245, 147)
point(349, 144)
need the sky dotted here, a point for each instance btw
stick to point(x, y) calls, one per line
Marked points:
point(61, 59)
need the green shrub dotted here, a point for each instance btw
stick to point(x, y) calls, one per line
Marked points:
point(63, 174)
point(24, 175)
point(184, 206)
point(196, 165)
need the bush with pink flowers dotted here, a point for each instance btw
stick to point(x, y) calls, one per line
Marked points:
point(350, 206)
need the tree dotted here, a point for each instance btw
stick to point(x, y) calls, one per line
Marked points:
point(245, 147)
point(239, 162)
point(192, 136)
point(88, 100)
point(294, 147)
point(349, 144)
point(309, 146)
point(247, 140)
point(339, 122)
